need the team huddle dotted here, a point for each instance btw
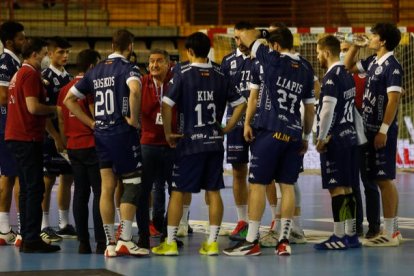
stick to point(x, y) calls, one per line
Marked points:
point(125, 133)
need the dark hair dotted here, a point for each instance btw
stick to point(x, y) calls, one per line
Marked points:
point(199, 43)
point(86, 58)
point(9, 30)
point(331, 43)
point(122, 39)
point(161, 52)
point(32, 45)
point(243, 25)
point(283, 36)
point(58, 42)
point(389, 33)
point(277, 25)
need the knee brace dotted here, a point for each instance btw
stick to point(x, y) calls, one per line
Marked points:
point(298, 196)
point(132, 188)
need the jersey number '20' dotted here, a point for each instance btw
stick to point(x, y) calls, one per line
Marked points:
point(104, 102)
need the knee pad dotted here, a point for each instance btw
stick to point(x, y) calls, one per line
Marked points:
point(298, 196)
point(132, 188)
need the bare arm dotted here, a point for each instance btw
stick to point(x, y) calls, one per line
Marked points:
point(3, 95)
point(166, 120)
point(61, 125)
point(134, 103)
point(250, 111)
point(317, 89)
point(235, 117)
point(71, 103)
point(349, 60)
point(37, 108)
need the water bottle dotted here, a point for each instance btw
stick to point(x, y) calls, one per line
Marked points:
point(359, 40)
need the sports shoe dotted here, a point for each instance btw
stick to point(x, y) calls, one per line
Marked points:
point(49, 235)
point(209, 249)
point(153, 231)
point(166, 249)
point(7, 238)
point(283, 248)
point(110, 251)
point(353, 241)
point(240, 232)
point(270, 239)
point(67, 232)
point(399, 236)
point(244, 248)
point(333, 243)
point(297, 237)
point(383, 241)
point(182, 230)
point(130, 248)
point(372, 232)
point(18, 240)
point(39, 247)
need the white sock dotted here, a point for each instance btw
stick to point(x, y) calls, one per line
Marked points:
point(63, 218)
point(214, 231)
point(253, 232)
point(339, 228)
point(118, 213)
point(18, 222)
point(389, 225)
point(126, 230)
point(350, 227)
point(242, 212)
point(109, 233)
point(4, 222)
point(285, 229)
point(184, 218)
point(172, 233)
point(45, 220)
point(150, 213)
point(297, 225)
point(273, 210)
point(278, 225)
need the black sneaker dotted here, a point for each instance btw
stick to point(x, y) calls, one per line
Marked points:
point(244, 248)
point(39, 247)
point(143, 241)
point(68, 232)
point(49, 235)
point(100, 248)
point(372, 232)
point(84, 248)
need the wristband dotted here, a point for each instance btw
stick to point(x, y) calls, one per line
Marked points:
point(384, 128)
point(264, 33)
point(306, 137)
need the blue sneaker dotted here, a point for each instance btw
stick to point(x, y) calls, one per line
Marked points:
point(353, 241)
point(333, 243)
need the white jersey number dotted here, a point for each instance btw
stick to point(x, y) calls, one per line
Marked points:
point(104, 102)
point(198, 109)
point(283, 100)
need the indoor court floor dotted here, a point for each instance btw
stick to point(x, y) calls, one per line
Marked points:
point(316, 220)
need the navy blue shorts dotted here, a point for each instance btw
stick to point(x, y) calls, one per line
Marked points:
point(381, 164)
point(339, 166)
point(274, 158)
point(237, 148)
point(194, 172)
point(53, 162)
point(8, 165)
point(121, 152)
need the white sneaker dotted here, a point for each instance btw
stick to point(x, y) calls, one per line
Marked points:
point(18, 240)
point(383, 241)
point(182, 230)
point(130, 248)
point(270, 239)
point(7, 238)
point(110, 251)
point(399, 236)
point(297, 237)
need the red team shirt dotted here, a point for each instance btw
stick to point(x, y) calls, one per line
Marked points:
point(152, 133)
point(359, 89)
point(21, 124)
point(79, 136)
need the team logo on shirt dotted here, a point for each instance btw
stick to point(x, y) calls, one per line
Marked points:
point(56, 81)
point(329, 82)
point(3, 66)
point(396, 72)
point(378, 70)
point(233, 64)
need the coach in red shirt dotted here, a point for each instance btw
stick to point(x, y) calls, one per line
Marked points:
point(80, 144)
point(25, 129)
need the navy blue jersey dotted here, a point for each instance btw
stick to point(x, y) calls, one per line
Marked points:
point(236, 68)
point(54, 80)
point(9, 64)
point(339, 84)
point(200, 92)
point(108, 81)
point(289, 81)
point(257, 82)
point(383, 75)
